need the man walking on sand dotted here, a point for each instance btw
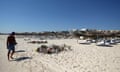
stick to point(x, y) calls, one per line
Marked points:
point(11, 42)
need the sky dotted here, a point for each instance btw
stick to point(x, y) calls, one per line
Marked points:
point(57, 15)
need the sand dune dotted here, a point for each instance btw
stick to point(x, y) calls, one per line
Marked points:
point(82, 58)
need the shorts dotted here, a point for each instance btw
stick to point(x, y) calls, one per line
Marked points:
point(11, 47)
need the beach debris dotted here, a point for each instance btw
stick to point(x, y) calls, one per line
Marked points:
point(38, 41)
point(27, 39)
point(53, 48)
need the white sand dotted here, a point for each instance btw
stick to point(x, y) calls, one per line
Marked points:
point(82, 58)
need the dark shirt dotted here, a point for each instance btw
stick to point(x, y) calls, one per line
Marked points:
point(11, 40)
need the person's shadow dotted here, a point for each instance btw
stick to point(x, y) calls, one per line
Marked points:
point(22, 58)
point(20, 51)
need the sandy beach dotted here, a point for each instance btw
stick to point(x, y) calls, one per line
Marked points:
point(81, 58)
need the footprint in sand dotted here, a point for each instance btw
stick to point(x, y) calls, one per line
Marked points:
point(116, 60)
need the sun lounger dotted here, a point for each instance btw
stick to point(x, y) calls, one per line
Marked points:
point(84, 42)
point(103, 43)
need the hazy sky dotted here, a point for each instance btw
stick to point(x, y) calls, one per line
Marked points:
point(52, 15)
